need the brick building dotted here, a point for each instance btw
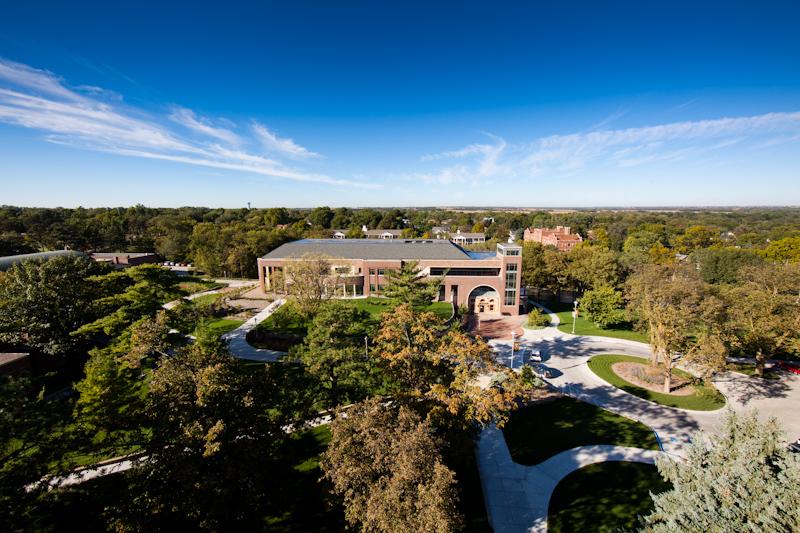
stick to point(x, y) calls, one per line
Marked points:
point(560, 237)
point(485, 282)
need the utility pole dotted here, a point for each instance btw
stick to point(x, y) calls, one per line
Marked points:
point(574, 315)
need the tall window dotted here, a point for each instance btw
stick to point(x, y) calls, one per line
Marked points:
point(511, 285)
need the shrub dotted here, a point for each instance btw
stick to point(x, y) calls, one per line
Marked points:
point(537, 319)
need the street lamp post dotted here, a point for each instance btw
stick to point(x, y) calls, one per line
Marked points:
point(513, 341)
point(574, 314)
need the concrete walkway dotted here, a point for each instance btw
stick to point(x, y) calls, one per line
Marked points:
point(517, 497)
point(237, 339)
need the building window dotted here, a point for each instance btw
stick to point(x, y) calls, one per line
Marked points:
point(342, 269)
point(371, 271)
point(512, 252)
point(381, 271)
point(371, 287)
point(441, 271)
point(511, 285)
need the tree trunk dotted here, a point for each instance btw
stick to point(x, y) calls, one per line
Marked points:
point(760, 361)
point(667, 380)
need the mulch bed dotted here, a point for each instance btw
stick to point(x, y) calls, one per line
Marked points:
point(626, 370)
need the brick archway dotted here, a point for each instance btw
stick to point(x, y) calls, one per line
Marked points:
point(483, 299)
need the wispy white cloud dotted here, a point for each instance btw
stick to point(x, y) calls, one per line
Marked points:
point(273, 143)
point(622, 148)
point(202, 125)
point(90, 118)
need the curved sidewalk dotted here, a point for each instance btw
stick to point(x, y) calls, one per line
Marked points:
point(517, 496)
point(237, 339)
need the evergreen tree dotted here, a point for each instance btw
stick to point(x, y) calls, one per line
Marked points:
point(408, 286)
point(743, 479)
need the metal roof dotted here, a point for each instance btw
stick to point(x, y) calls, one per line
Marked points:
point(10, 260)
point(395, 249)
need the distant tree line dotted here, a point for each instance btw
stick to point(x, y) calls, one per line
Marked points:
point(227, 241)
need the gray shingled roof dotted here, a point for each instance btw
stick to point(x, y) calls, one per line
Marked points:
point(10, 260)
point(409, 249)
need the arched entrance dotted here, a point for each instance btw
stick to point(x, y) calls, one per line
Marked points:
point(484, 299)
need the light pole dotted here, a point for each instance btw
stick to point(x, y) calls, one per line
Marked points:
point(574, 314)
point(513, 341)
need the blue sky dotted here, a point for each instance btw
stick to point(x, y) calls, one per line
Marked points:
point(366, 103)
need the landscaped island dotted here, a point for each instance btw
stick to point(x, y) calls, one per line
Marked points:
point(691, 393)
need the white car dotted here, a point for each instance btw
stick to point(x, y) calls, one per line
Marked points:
point(536, 356)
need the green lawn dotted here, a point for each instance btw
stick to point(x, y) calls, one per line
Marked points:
point(706, 397)
point(586, 327)
point(194, 284)
point(604, 497)
point(207, 299)
point(537, 432)
point(220, 326)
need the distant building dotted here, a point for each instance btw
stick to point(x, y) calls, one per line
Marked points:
point(11, 260)
point(384, 234)
point(339, 233)
point(440, 232)
point(560, 237)
point(459, 237)
point(464, 238)
point(485, 282)
point(125, 259)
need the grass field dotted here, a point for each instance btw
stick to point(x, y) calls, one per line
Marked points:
point(207, 299)
point(220, 326)
point(537, 432)
point(604, 497)
point(706, 397)
point(586, 327)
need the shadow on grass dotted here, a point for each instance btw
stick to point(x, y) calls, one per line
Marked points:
point(604, 497)
point(536, 432)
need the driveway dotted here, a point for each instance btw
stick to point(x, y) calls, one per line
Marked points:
point(517, 496)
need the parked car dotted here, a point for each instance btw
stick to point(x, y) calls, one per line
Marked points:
point(789, 367)
point(795, 446)
point(536, 355)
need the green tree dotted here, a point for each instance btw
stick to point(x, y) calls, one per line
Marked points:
point(130, 294)
point(592, 266)
point(321, 216)
point(764, 312)
point(679, 316)
point(409, 285)
point(724, 265)
point(604, 306)
point(535, 273)
point(309, 281)
point(437, 371)
point(696, 237)
point(387, 466)
point(29, 442)
point(787, 249)
point(43, 302)
point(333, 354)
point(742, 479)
point(217, 427)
